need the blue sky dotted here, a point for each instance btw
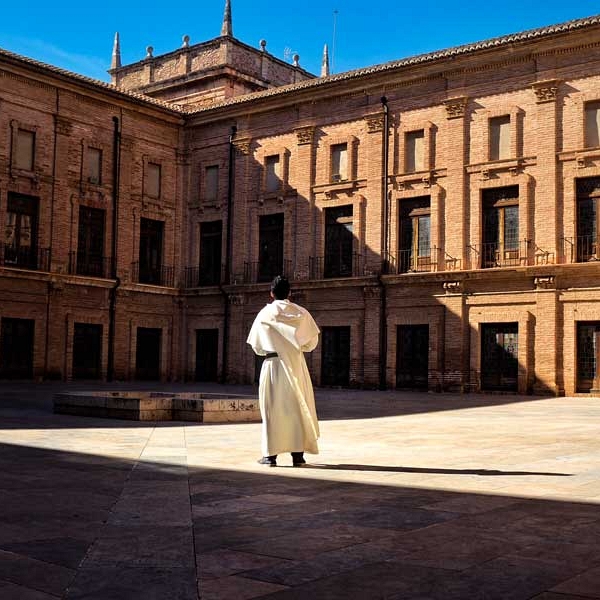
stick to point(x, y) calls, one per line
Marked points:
point(78, 36)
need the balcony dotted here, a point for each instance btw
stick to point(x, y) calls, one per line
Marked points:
point(407, 261)
point(201, 277)
point(492, 255)
point(328, 267)
point(89, 265)
point(583, 248)
point(34, 259)
point(262, 272)
point(153, 275)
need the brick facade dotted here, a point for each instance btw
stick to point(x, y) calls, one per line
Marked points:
point(534, 287)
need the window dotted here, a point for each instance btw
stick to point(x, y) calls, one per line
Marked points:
point(588, 192)
point(270, 241)
point(90, 245)
point(94, 166)
point(414, 151)
point(87, 351)
point(499, 138)
point(25, 150)
point(339, 240)
point(272, 173)
point(414, 253)
point(592, 124)
point(16, 348)
point(210, 252)
point(20, 232)
point(211, 183)
point(500, 227)
point(153, 180)
point(151, 245)
point(339, 162)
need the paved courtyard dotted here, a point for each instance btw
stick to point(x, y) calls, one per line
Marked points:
point(414, 496)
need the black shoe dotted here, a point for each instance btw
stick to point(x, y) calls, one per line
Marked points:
point(298, 459)
point(268, 460)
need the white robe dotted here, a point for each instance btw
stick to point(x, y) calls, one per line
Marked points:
point(287, 402)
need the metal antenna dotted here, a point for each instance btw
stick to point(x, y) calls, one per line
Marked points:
point(335, 14)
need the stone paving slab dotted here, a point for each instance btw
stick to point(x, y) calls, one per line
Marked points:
point(414, 496)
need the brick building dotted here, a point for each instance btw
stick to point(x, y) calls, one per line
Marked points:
point(437, 215)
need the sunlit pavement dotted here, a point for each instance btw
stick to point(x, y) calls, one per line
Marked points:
point(420, 496)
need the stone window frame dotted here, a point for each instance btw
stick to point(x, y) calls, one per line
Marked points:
point(16, 126)
point(146, 162)
point(587, 100)
point(86, 184)
point(516, 133)
point(284, 155)
point(428, 129)
point(351, 142)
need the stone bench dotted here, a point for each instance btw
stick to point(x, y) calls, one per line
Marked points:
point(159, 406)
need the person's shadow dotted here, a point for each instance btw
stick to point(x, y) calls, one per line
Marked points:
point(481, 472)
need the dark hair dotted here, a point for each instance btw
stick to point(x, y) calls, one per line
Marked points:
point(280, 286)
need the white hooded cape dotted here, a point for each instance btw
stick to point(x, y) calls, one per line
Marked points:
point(287, 402)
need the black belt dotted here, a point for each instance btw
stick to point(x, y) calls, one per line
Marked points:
point(271, 355)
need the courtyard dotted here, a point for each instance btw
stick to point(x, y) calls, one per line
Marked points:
point(413, 496)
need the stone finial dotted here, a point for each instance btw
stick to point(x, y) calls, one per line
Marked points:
point(325, 62)
point(149, 51)
point(296, 59)
point(227, 27)
point(115, 63)
point(263, 45)
point(186, 41)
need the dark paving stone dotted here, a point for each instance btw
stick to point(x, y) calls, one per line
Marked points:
point(133, 583)
point(28, 572)
point(553, 596)
point(10, 591)
point(157, 545)
point(235, 588)
point(222, 563)
point(585, 584)
point(64, 551)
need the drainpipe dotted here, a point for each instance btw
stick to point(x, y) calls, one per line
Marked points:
point(385, 249)
point(228, 250)
point(116, 173)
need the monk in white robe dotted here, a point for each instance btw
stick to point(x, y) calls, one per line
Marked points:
point(282, 332)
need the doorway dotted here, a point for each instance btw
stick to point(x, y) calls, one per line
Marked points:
point(335, 358)
point(499, 356)
point(147, 354)
point(207, 352)
point(412, 356)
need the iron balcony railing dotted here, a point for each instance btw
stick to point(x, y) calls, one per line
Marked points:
point(154, 275)
point(583, 248)
point(327, 267)
point(89, 265)
point(407, 261)
point(493, 255)
point(199, 277)
point(261, 272)
point(35, 259)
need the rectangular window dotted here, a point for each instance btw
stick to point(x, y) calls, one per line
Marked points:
point(90, 245)
point(339, 242)
point(592, 124)
point(210, 252)
point(25, 150)
point(151, 246)
point(501, 227)
point(87, 351)
point(153, 180)
point(414, 151)
point(211, 183)
point(339, 162)
point(500, 138)
point(272, 173)
point(20, 231)
point(16, 348)
point(94, 166)
point(414, 253)
point(586, 243)
point(270, 242)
